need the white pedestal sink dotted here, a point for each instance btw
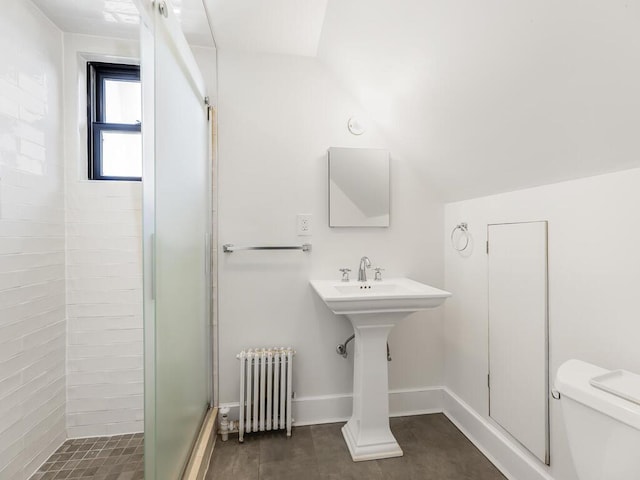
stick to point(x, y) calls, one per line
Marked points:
point(374, 308)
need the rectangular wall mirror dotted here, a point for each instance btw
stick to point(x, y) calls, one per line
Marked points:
point(358, 187)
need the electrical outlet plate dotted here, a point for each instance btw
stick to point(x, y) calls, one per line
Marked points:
point(303, 224)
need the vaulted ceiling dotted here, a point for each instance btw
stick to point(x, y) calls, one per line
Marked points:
point(484, 96)
point(490, 96)
point(291, 27)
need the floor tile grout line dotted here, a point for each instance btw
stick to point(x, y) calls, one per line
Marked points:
point(127, 464)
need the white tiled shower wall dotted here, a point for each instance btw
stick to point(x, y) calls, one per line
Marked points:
point(69, 249)
point(101, 261)
point(104, 263)
point(104, 269)
point(32, 244)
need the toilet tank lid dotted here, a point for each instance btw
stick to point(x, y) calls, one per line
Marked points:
point(573, 381)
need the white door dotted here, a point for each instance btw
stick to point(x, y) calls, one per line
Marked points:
point(518, 333)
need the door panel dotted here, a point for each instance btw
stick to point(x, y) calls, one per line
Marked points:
point(177, 226)
point(518, 333)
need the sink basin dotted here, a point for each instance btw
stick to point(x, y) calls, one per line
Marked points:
point(374, 308)
point(393, 295)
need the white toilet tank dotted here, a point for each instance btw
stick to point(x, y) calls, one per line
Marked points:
point(603, 428)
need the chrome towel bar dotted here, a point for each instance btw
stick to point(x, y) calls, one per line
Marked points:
point(229, 248)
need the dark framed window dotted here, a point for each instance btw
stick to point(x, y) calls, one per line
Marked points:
point(114, 110)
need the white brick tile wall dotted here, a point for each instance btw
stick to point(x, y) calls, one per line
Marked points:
point(32, 243)
point(71, 340)
point(104, 273)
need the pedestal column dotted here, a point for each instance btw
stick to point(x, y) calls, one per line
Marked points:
point(367, 433)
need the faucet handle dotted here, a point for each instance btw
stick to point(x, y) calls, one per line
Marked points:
point(378, 271)
point(345, 274)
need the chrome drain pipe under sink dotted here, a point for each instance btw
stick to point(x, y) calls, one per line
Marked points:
point(341, 349)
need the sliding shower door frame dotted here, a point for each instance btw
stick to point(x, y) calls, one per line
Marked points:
point(158, 24)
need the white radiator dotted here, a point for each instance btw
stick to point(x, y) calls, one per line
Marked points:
point(265, 390)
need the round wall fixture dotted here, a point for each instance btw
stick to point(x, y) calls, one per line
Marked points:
point(356, 126)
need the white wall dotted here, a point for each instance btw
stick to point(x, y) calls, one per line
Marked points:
point(278, 115)
point(594, 277)
point(32, 256)
point(493, 96)
point(104, 269)
point(206, 59)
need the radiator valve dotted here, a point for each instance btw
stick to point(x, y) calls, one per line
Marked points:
point(224, 423)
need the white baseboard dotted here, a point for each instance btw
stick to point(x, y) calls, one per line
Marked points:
point(337, 408)
point(321, 409)
point(415, 401)
point(499, 449)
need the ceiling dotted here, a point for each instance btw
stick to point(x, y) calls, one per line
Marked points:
point(484, 97)
point(269, 26)
point(119, 18)
point(492, 96)
point(291, 27)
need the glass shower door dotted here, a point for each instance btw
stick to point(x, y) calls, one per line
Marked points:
point(176, 187)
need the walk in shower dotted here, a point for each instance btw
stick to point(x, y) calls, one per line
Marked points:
point(105, 283)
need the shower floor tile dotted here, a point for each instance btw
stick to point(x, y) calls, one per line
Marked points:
point(433, 449)
point(96, 458)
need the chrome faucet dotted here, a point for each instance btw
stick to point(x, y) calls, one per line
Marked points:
point(362, 270)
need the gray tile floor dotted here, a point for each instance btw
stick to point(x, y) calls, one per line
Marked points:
point(96, 458)
point(434, 449)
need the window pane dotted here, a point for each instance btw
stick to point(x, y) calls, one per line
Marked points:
point(122, 101)
point(121, 154)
